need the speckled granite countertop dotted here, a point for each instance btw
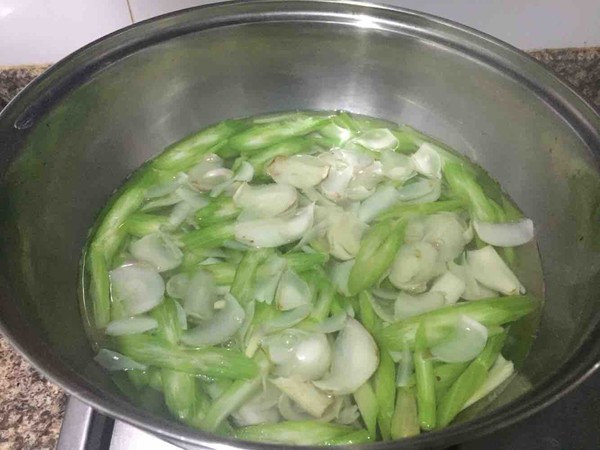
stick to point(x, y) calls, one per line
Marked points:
point(31, 408)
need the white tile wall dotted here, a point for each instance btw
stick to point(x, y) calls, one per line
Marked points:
point(38, 31)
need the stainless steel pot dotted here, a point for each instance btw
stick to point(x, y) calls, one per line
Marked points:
point(70, 138)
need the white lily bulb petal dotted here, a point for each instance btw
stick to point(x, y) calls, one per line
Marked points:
point(446, 232)
point(338, 134)
point(358, 193)
point(287, 319)
point(377, 140)
point(177, 285)
point(276, 231)
point(305, 395)
point(421, 191)
point(465, 344)
point(130, 325)
point(427, 161)
point(384, 308)
point(415, 265)
point(339, 273)
point(292, 291)
point(193, 198)
point(368, 177)
point(200, 295)
point(138, 287)
point(381, 200)
point(397, 166)
point(181, 316)
point(352, 157)
point(473, 289)
point(116, 361)
point(355, 359)
point(510, 234)
point(412, 305)
point(300, 171)
point(489, 269)
point(157, 249)
point(266, 200)
point(261, 408)
point(344, 235)
point(334, 186)
point(196, 174)
point(450, 286)
point(268, 277)
point(221, 327)
point(245, 172)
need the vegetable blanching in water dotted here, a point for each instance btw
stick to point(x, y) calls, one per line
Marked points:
point(308, 278)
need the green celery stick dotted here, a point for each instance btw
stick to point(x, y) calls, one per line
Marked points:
point(355, 437)
point(261, 136)
point(165, 314)
point(405, 422)
point(141, 224)
point(367, 405)
point(446, 375)
point(208, 237)
point(488, 312)
point(376, 254)
point(385, 392)
point(469, 381)
point(235, 395)
point(261, 159)
point(301, 262)
point(424, 377)
point(324, 298)
point(100, 287)
point(211, 361)
point(219, 210)
point(180, 393)
point(464, 185)
point(301, 432)
point(368, 317)
point(187, 152)
point(403, 209)
point(245, 276)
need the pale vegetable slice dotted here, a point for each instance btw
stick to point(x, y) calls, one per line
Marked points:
point(137, 287)
point(344, 234)
point(306, 356)
point(181, 316)
point(339, 273)
point(338, 134)
point(300, 171)
point(167, 187)
point(208, 173)
point(267, 278)
point(277, 231)
point(447, 233)
point(245, 172)
point(355, 359)
point(356, 159)
point(382, 199)
point(267, 200)
point(338, 178)
point(412, 305)
point(261, 408)
point(384, 308)
point(305, 395)
point(116, 361)
point(288, 319)
point(498, 374)
point(377, 140)
point(421, 191)
point(292, 291)
point(200, 295)
point(157, 249)
point(397, 166)
point(473, 289)
point(177, 285)
point(450, 286)
point(489, 269)
point(221, 327)
point(130, 325)
point(427, 161)
point(415, 264)
point(467, 341)
point(509, 234)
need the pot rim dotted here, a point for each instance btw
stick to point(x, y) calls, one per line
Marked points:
point(22, 112)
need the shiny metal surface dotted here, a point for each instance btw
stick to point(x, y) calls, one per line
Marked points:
point(70, 139)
